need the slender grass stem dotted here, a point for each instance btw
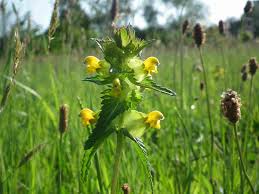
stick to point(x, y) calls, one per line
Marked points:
point(98, 169)
point(241, 160)
point(116, 165)
point(249, 116)
point(181, 68)
point(209, 116)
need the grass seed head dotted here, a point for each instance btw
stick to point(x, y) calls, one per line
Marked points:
point(221, 28)
point(19, 51)
point(114, 10)
point(244, 68)
point(125, 188)
point(248, 7)
point(244, 76)
point(63, 118)
point(53, 22)
point(230, 106)
point(199, 35)
point(253, 66)
point(185, 26)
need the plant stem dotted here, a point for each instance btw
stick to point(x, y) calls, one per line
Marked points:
point(116, 165)
point(249, 116)
point(241, 160)
point(210, 120)
point(99, 177)
point(181, 68)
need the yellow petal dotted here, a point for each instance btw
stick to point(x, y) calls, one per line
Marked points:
point(150, 65)
point(92, 64)
point(153, 119)
point(87, 116)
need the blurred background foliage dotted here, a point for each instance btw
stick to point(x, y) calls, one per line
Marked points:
point(77, 25)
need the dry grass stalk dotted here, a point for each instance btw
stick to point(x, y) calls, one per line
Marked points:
point(53, 23)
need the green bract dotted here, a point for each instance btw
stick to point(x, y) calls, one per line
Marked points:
point(122, 72)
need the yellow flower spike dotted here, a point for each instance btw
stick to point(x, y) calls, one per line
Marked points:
point(92, 64)
point(116, 87)
point(87, 116)
point(153, 119)
point(150, 65)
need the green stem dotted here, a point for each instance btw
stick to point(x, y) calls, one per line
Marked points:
point(97, 166)
point(241, 160)
point(210, 120)
point(60, 163)
point(249, 116)
point(116, 165)
point(181, 68)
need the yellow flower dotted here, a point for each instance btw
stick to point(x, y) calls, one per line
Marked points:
point(92, 64)
point(153, 119)
point(150, 65)
point(87, 116)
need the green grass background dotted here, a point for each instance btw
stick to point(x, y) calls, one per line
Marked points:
point(179, 152)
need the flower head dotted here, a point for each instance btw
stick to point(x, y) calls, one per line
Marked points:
point(92, 64)
point(252, 66)
point(230, 106)
point(150, 65)
point(87, 116)
point(63, 118)
point(221, 27)
point(153, 119)
point(248, 7)
point(199, 35)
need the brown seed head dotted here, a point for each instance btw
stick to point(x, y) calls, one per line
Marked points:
point(244, 68)
point(221, 28)
point(198, 35)
point(230, 106)
point(248, 7)
point(125, 188)
point(185, 26)
point(114, 9)
point(244, 76)
point(63, 118)
point(252, 66)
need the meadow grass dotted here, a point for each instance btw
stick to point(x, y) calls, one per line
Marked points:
point(179, 152)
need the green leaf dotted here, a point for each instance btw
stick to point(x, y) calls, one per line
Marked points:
point(111, 108)
point(151, 84)
point(99, 80)
point(142, 153)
